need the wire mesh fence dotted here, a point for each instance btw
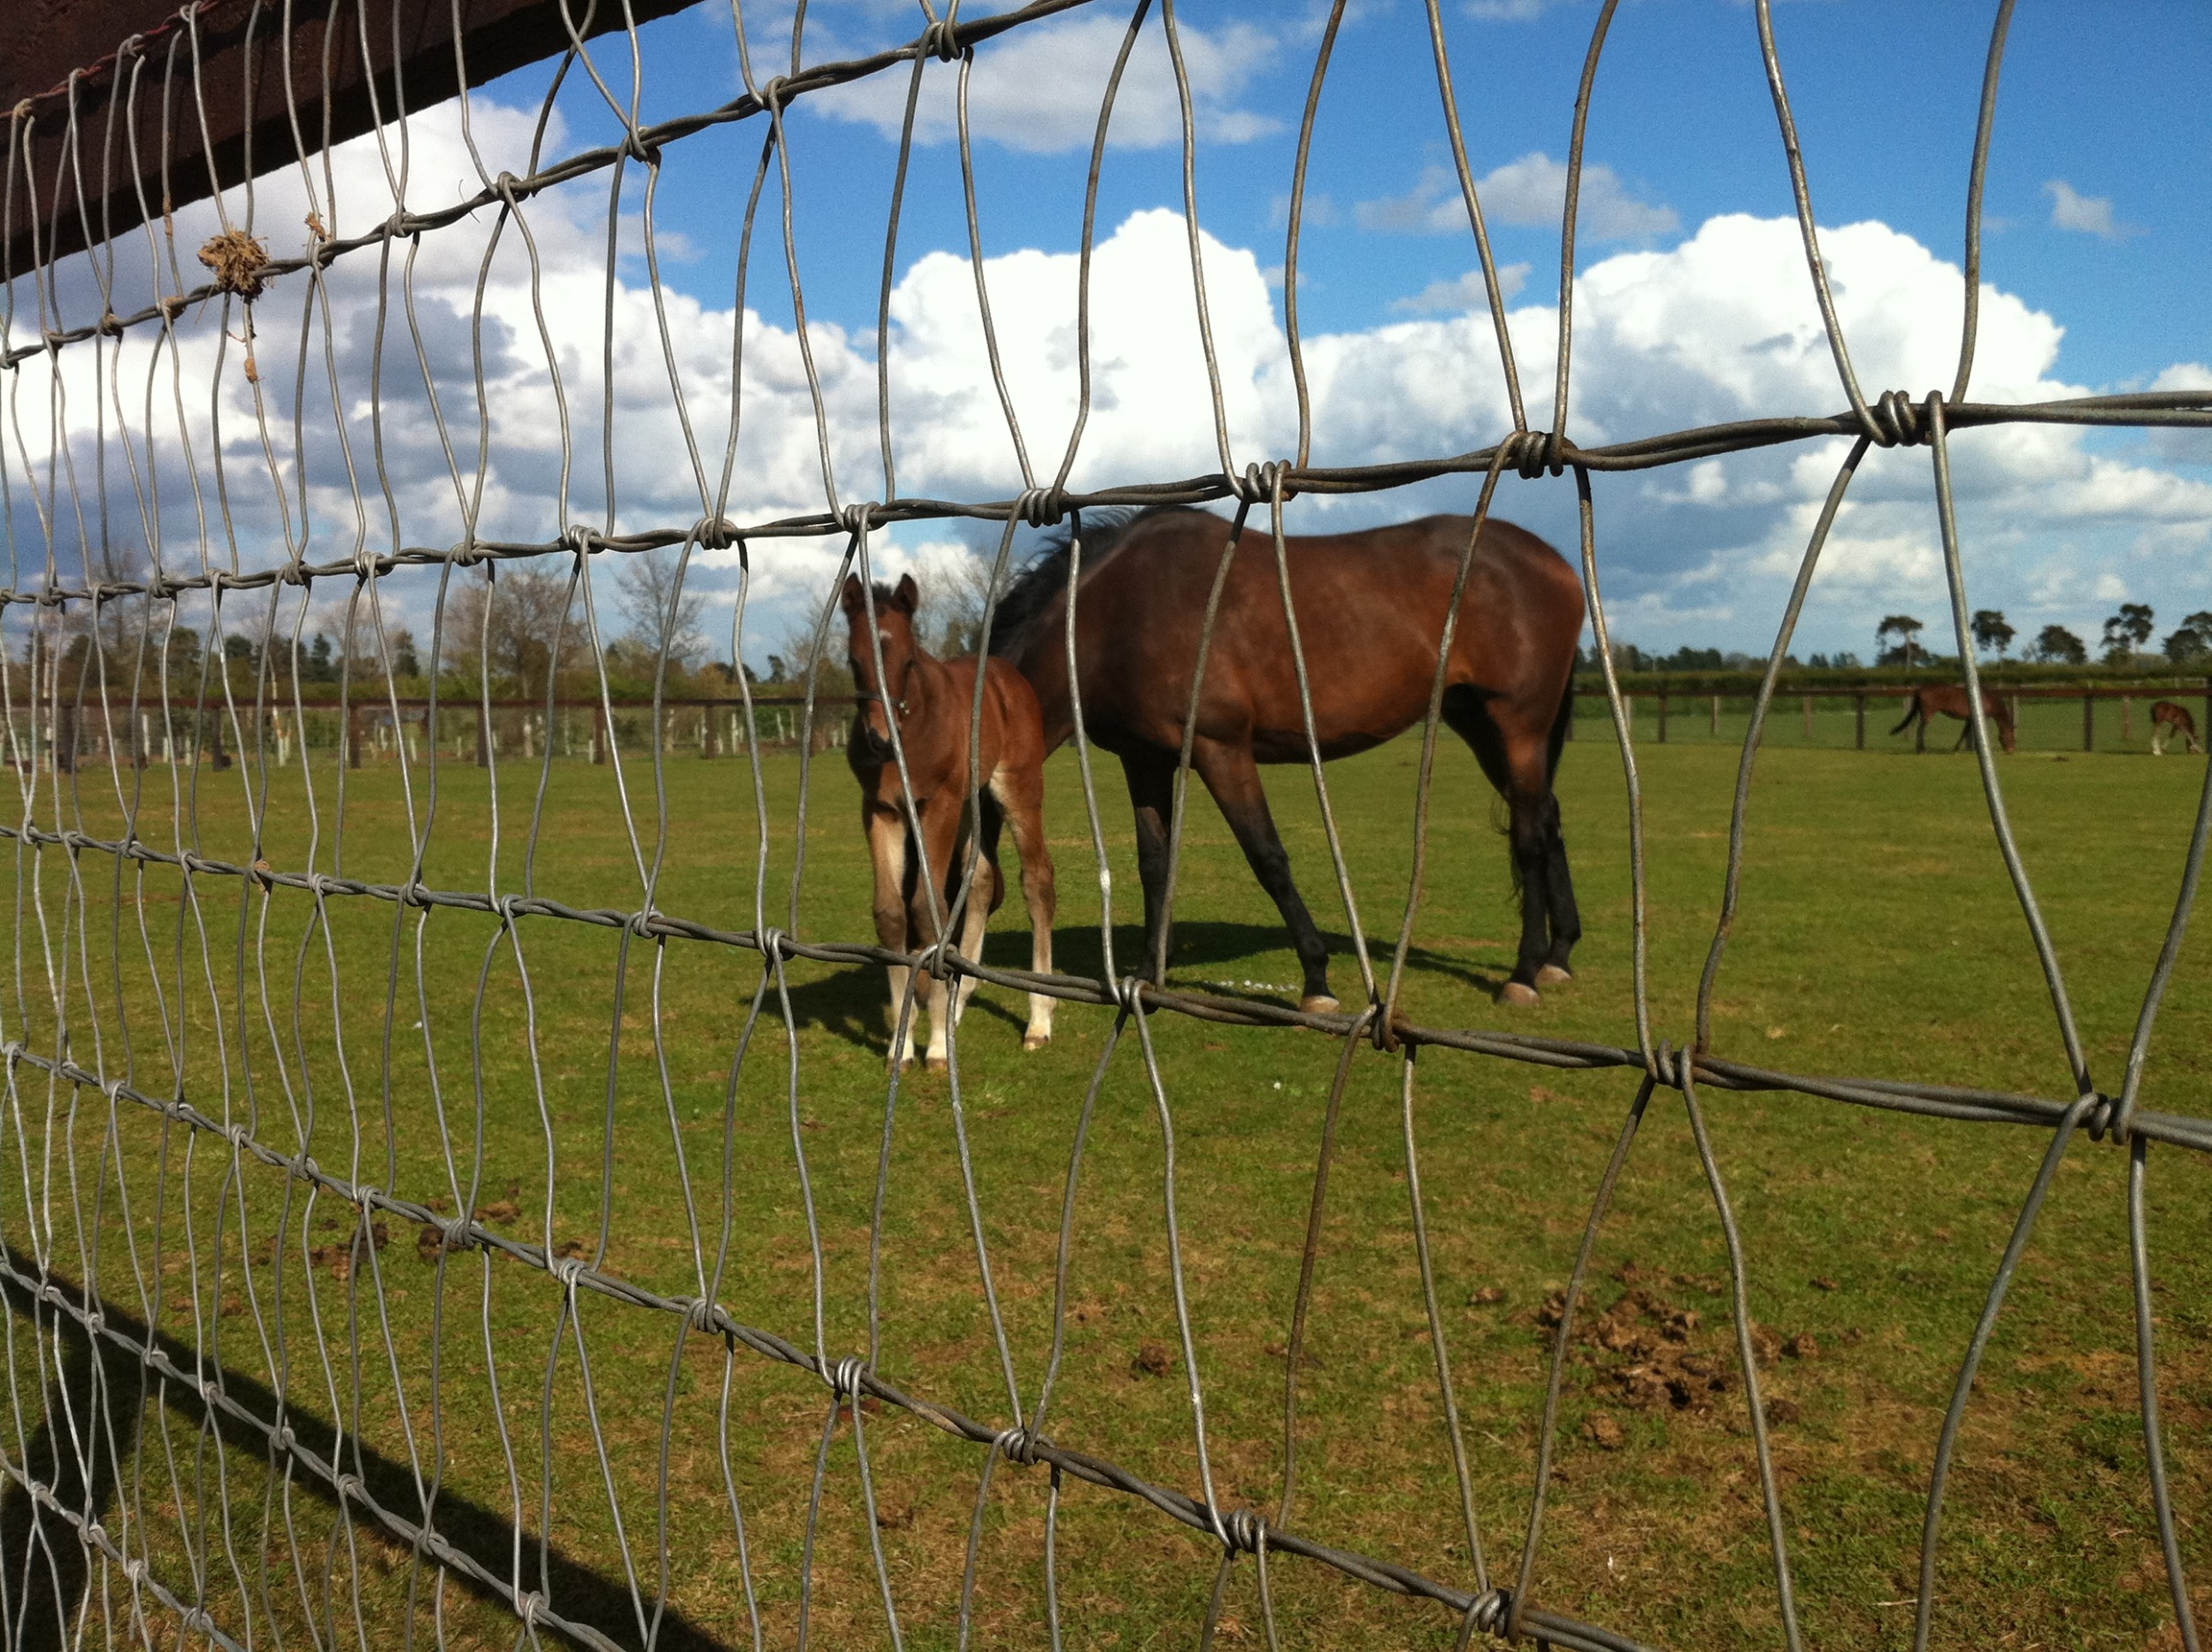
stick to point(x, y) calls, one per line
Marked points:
point(273, 1014)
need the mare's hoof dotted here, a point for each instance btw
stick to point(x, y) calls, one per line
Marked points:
point(1551, 975)
point(1035, 1041)
point(1519, 994)
point(938, 1064)
point(1319, 1004)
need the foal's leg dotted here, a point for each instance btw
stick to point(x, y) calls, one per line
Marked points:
point(1518, 765)
point(1233, 779)
point(886, 847)
point(940, 837)
point(1022, 793)
point(983, 900)
point(1152, 795)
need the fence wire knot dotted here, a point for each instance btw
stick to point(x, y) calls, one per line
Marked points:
point(2103, 1116)
point(1244, 1530)
point(1488, 1611)
point(1534, 452)
point(457, 1235)
point(714, 533)
point(1040, 507)
point(1899, 419)
point(531, 1608)
point(1128, 993)
point(941, 38)
point(771, 943)
point(857, 517)
point(702, 1314)
point(844, 1378)
point(1259, 481)
point(1015, 1445)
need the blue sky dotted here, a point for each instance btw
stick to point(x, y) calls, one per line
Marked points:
point(1692, 301)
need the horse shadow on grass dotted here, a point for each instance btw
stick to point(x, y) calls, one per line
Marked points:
point(853, 1004)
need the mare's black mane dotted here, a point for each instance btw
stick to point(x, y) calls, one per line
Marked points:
point(1032, 591)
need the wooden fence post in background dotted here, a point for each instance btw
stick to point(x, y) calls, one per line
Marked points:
point(1858, 712)
point(353, 737)
point(709, 733)
point(2089, 722)
point(599, 733)
point(483, 736)
point(1808, 720)
point(2127, 718)
point(1662, 719)
point(1715, 727)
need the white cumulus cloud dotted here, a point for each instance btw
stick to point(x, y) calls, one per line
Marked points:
point(1530, 190)
point(1721, 328)
point(1039, 89)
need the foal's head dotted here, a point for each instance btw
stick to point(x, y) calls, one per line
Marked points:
point(894, 629)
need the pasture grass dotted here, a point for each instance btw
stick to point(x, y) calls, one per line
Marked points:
point(424, 1055)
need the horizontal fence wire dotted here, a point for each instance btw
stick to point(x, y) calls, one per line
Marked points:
point(82, 1053)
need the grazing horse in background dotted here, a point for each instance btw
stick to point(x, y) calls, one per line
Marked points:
point(1923, 704)
point(933, 702)
point(1370, 610)
point(2169, 720)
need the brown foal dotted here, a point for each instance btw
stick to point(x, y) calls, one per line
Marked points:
point(918, 873)
point(2169, 720)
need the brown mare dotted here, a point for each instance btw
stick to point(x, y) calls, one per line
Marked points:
point(933, 702)
point(1949, 700)
point(2169, 720)
point(1370, 610)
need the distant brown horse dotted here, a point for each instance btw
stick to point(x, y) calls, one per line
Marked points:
point(1923, 704)
point(1370, 611)
point(933, 703)
point(2169, 720)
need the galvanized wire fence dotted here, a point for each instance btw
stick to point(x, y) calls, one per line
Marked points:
point(137, 516)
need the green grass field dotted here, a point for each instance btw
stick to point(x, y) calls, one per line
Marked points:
point(426, 1056)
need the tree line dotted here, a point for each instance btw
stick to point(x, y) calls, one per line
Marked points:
point(2125, 643)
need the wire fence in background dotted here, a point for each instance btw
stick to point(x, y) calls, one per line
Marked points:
point(201, 1031)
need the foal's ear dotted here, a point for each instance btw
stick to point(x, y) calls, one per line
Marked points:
point(853, 599)
point(909, 595)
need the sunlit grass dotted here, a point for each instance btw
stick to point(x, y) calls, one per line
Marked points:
point(433, 1058)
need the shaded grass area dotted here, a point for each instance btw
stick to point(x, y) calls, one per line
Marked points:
point(580, 1088)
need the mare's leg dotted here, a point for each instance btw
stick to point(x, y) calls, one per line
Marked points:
point(1965, 734)
point(1152, 795)
point(1234, 779)
point(2158, 739)
point(1518, 764)
point(1565, 917)
point(1022, 794)
point(886, 847)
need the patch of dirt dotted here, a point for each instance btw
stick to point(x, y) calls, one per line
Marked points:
point(1153, 1360)
point(1654, 1354)
point(343, 1259)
